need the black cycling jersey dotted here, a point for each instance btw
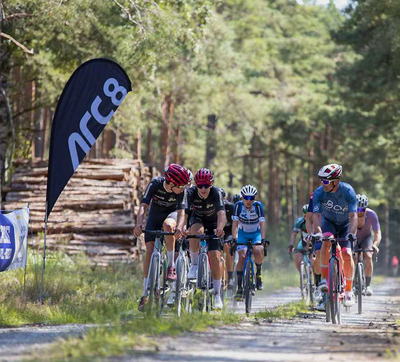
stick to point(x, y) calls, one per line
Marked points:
point(230, 210)
point(160, 199)
point(205, 209)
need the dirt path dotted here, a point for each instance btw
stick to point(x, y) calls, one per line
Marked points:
point(365, 337)
point(360, 337)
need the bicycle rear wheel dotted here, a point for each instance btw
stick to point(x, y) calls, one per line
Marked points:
point(248, 287)
point(164, 285)
point(334, 289)
point(359, 286)
point(302, 281)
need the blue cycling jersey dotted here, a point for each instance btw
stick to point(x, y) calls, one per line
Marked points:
point(249, 219)
point(335, 206)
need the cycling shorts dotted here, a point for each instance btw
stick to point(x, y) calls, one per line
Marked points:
point(366, 244)
point(243, 238)
point(155, 222)
point(213, 244)
point(342, 230)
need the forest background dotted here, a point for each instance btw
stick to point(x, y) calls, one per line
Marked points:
point(260, 91)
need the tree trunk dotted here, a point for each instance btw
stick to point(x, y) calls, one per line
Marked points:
point(178, 137)
point(165, 140)
point(211, 143)
point(302, 190)
point(149, 158)
point(311, 176)
point(274, 192)
point(138, 144)
point(386, 241)
point(289, 214)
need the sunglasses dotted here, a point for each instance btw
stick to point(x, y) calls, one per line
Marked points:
point(327, 182)
point(179, 186)
point(203, 186)
point(249, 197)
point(360, 209)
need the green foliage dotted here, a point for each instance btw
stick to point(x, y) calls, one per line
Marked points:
point(75, 292)
point(288, 311)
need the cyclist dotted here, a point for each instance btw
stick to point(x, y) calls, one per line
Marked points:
point(229, 209)
point(395, 265)
point(205, 202)
point(300, 225)
point(335, 212)
point(166, 195)
point(248, 224)
point(236, 198)
point(368, 222)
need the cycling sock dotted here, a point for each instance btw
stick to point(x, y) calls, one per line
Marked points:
point(217, 286)
point(258, 269)
point(194, 257)
point(170, 257)
point(368, 281)
point(230, 275)
point(317, 278)
point(239, 279)
point(144, 286)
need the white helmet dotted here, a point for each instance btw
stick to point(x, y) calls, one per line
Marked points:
point(330, 172)
point(248, 190)
point(362, 200)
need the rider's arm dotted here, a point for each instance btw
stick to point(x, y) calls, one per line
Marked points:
point(221, 219)
point(376, 228)
point(139, 220)
point(262, 227)
point(235, 225)
point(293, 237)
point(309, 222)
point(317, 222)
point(377, 237)
point(182, 219)
point(353, 222)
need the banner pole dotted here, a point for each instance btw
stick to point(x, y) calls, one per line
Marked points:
point(44, 255)
point(27, 247)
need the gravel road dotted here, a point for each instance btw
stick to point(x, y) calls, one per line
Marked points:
point(309, 337)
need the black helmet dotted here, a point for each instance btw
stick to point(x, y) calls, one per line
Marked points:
point(236, 198)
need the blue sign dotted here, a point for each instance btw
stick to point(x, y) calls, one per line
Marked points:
point(7, 242)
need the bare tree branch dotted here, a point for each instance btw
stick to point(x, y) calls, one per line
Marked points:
point(23, 47)
point(17, 16)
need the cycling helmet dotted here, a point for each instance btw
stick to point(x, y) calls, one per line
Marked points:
point(332, 171)
point(305, 209)
point(204, 176)
point(177, 174)
point(362, 200)
point(236, 198)
point(248, 190)
point(223, 192)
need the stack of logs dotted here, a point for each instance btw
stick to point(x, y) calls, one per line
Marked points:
point(95, 212)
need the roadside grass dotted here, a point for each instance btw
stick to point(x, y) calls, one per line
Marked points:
point(74, 292)
point(137, 335)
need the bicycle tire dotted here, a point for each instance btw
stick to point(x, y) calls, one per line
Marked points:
point(163, 282)
point(327, 309)
point(180, 275)
point(248, 283)
point(310, 284)
point(334, 288)
point(302, 283)
point(360, 287)
point(203, 282)
point(152, 278)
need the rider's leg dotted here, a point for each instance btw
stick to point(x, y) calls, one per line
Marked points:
point(317, 262)
point(239, 267)
point(215, 261)
point(228, 260)
point(258, 257)
point(195, 229)
point(169, 225)
point(298, 257)
point(369, 267)
point(146, 263)
point(348, 267)
point(325, 259)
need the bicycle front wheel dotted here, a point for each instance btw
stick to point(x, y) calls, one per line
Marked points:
point(303, 281)
point(248, 287)
point(203, 277)
point(152, 281)
point(359, 286)
point(334, 289)
point(180, 285)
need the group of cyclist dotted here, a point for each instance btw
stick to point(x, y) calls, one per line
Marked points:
point(177, 206)
point(183, 204)
point(334, 210)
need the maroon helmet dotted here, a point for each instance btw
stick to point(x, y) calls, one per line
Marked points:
point(204, 176)
point(177, 174)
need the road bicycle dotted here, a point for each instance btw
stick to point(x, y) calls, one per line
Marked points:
point(183, 288)
point(202, 285)
point(306, 277)
point(249, 286)
point(336, 282)
point(157, 286)
point(359, 284)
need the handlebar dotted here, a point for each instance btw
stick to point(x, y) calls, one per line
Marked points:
point(202, 237)
point(158, 233)
point(249, 244)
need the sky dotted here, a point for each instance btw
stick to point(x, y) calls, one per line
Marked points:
point(341, 4)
